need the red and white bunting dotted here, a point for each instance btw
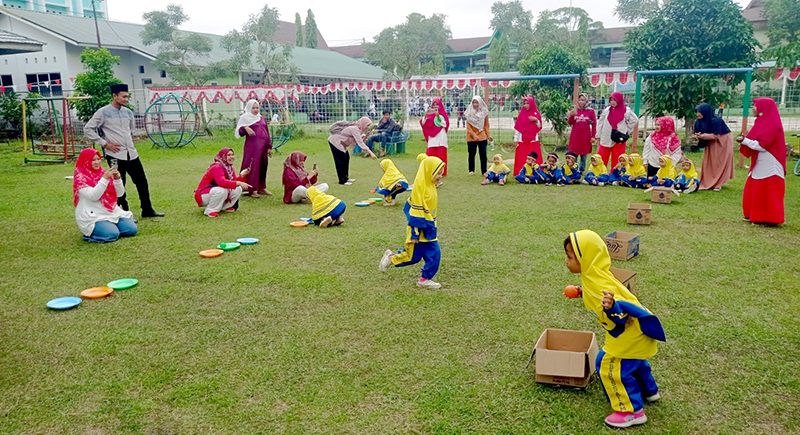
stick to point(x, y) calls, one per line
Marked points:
point(621, 78)
point(786, 72)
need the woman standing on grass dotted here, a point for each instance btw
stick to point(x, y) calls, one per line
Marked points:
point(435, 125)
point(478, 135)
point(344, 136)
point(526, 136)
point(765, 144)
point(615, 126)
point(663, 141)
point(584, 126)
point(717, 142)
point(257, 147)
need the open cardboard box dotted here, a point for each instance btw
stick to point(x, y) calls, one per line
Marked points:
point(626, 277)
point(661, 195)
point(565, 358)
point(639, 214)
point(622, 245)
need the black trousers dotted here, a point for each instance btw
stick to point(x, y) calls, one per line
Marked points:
point(652, 170)
point(473, 148)
point(136, 171)
point(342, 162)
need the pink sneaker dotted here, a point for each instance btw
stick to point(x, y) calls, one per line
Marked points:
point(213, 214)
point(626, 419)
point(502, 181)
point(485, 181)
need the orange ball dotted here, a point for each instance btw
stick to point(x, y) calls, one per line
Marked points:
point(572, 291)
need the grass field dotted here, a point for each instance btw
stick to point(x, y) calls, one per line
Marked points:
point(300, 334)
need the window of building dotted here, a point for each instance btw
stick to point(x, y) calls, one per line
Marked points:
point(146, 82)
point(163, 73)
point(6, 81)
point(46, 84)
point(141, 69)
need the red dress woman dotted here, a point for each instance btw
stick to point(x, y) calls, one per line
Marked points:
point(528, 126)
point(435, 132)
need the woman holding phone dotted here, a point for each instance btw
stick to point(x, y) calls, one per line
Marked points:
point(94, 194)
point(257, 147)
point(296, 180)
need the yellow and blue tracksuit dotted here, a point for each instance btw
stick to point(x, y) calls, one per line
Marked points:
point(666, 173)
point(686, 179)
point(392, 183)
point(635, 175)
point(497, 172)
point(632, 331)
point(549, 176)
point(323, 205)
point(569, 174)
point(597, 172)
point(530, 174)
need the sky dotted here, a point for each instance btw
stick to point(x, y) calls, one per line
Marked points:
point(347, 22)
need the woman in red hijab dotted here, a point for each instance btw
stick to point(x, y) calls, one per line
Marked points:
point(435, 125)
point(618, 119)
point(297, 180)
point(220, 188)
point(527, 128)
point(765, 144)
point(97, 213)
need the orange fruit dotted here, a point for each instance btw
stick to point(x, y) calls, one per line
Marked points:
point(572, 291)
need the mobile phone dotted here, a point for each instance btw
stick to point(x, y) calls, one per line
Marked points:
point(314, 167)
point(113, 163)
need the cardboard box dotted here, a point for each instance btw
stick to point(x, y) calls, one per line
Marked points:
point(565, 358)
point(661, 195)
point(622, 245)
point(639, 214)
point(626, 277)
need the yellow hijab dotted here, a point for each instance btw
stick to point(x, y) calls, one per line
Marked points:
point(625, 160)
point(424, 200)
point(498, 168)
point(667, 170)
point(636, 166)
point(391, 175)
point(598, 167)
point(321, 203)
point(691, 173)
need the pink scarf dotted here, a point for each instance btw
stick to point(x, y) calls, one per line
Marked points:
point(293, 163)
point(768, 131)
point(222, 159)
point(429, 129)
point(528, 129)
point(616, 114)
point(665, 140)
point(86, 176)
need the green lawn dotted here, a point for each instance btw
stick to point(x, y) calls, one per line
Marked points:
point(300, 333)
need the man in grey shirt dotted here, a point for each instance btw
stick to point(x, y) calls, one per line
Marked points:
point(117, 124)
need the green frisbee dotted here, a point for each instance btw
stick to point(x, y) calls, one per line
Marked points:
point(377, 199)
point(229, 246)
point(123, 284)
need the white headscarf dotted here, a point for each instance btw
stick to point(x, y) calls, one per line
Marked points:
point(247, 119)
point(477, 117)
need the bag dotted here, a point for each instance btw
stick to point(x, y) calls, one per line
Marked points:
point(338, 126)
point(702, 143)
point(618, 136)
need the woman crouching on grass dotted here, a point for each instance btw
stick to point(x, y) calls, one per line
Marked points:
point(220, 189)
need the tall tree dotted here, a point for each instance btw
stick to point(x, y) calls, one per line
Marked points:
point(311, 30)
point(636, 11)
point(407, 49)
point(183, 55)
point(569, 27)
point(96, 81)
point(256, 45)
point(512, 19)
point(783, 21)
point(298, 26)
point(500, 53)
point(689, 34)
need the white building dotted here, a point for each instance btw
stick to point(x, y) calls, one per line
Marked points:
point(78, 8)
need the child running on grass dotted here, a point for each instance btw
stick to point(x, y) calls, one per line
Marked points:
point(421, 209)
point(497, 172)
point(631, 330)
point(392, 183)
point(325, 209)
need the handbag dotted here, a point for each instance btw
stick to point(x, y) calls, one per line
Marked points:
point(618, 136)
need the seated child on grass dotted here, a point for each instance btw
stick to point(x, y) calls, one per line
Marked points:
point(636, 174)
point(392, 183)
point(666, 175)
point(529, 174)
point(597, 173)
point(570, 172)
point(687, 181)
point(549, 170)
point(325, 209)
point(631, 330)
point(497, 172)
point(619, 170)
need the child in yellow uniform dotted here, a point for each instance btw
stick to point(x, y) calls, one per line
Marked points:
point(497, 172)
point(687, 181)
point(392, 183)
point(325, 209)
point(421, 209)
point(597, 174)
point(631, 330)
point(635, 174)
point(666, 174)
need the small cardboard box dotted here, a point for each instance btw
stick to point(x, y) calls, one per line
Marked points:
point(565, 358)
point(626, 277)
point(622, 245)
point(639, 214)
point(661, 195)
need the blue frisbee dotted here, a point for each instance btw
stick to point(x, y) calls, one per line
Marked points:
point(247, 240)
point(64, 303)
point(362, 204)
point(309, 220)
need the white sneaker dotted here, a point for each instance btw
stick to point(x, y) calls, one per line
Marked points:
point(428, 283)
point(388, 203)
point(653, 398)
point(692, 188)
point(615, 183)
point(339, 221)
point(601, 184)
point(584, 182)
point(348, 183)
point(351, 179)
point(325, 222)
point(386, 261)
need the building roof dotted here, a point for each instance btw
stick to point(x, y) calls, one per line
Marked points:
point(611, 35)
point(126, 36)
point(11, 43)
point(754, 11)
point(354, 51)
point(468, 44)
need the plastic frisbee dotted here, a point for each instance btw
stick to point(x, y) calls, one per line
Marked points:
point(123, 284)
point(247, 240)
point(362, 204)
point(96, 292)
point(376, 199)
point(229, 246)
point(309, 220)
point(298, 224)
point(439, 121)
point(210, 253)
point(63, 303)
point(371, 201)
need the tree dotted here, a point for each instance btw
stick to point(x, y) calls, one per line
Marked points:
point(636, 11)
point(500, 53)
point(96, 81)
point(311, 30)
point(783, 21)
point(690, 34)
point(407, 49)
point(568, 27)
point(514, 20)
point(272, 57)
point(298, 25)
point(554, 97)
point(11, 110)
point(183, 55)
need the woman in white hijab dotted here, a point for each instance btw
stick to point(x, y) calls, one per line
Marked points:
point(478, 135)
point(257, 147)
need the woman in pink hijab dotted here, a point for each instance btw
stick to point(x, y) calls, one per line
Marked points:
point(435, 125)
point(527, 128)
point(344, 136)
point(616, 122)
